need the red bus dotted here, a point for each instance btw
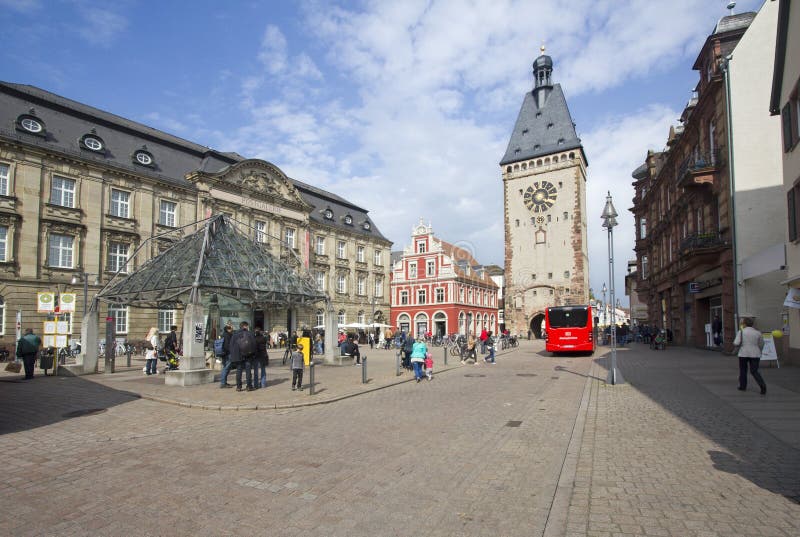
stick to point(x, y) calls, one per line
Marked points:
point(569, 329)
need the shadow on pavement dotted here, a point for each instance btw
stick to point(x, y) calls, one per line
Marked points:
point(565, 370)
point(751, 450)
point(28, 404)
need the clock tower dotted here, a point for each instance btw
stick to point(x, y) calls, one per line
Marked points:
point(544, 193)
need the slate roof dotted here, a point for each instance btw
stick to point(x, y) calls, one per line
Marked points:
point(230, 263)
point(544, 131)
point(67, 121)
point(461, 260)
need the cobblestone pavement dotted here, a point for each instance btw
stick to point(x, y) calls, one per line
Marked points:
point(534, 445)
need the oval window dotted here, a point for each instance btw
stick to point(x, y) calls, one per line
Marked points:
point(348, 219)
point(328, 214)
point(367, 226)
point(93, 143)
point(144, 158)
point(31, 125)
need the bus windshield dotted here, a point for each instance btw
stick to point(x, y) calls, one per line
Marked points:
point(568, 318)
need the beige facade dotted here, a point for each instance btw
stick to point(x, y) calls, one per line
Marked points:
point(67, 213)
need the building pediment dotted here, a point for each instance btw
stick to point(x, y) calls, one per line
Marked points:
point(254, 179)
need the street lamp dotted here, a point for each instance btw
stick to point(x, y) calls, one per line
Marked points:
point(609, 217)
point(84, 277)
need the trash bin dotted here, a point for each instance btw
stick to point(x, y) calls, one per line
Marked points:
point(306, 343)
point(46, 358)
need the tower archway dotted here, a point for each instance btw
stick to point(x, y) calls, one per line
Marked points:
point(537, 323)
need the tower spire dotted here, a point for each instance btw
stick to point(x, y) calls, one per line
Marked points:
point(542, 70)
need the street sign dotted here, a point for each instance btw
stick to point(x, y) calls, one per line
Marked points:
point(694, 287)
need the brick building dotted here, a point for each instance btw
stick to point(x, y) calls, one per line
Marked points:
point(439, 287)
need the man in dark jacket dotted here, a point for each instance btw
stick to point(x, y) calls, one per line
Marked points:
point(171, 341)
point(350, 348)
point(27, 347)
point(243, 352)
point(226, 356)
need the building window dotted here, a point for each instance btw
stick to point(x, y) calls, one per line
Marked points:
point(549, 275)
point(361, 286)
point(63, 192)
point(643, 228)
point(340, 249)
point(61, 251)
point(320, 318)
point(430, 269)
point(461, 294)
point(5, 172)
point(421, 296)
point(360, 254)
point(92, 143)
point(644, 267)
point(320, 246)
point(120, 314)
point(261, 231)
point(341, 284)
point(143, 157)
point(421, 247)
point(341, 317)
point(3, 318)
point(551, 291)
point(412, 270)
point(289, 236)
point(793, 212)
point(378, 259)
point(566, 274)
point(3, 243)
point(789, 121)
point(320, 279)
point(166, 318)
point(469, 294)
point(403, 297)
point(361, 318)
point(120, 203)
point(167, 214)
point(534, 292)
point(439, 295)
point(118, 257)
point(31, 125)
point(378, 287)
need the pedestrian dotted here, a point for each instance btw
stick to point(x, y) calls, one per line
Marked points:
point(371, 340)
point(243, 351)
point(490, 346)
point(297, 367)
point(419, 352)
point(226, 356)
point(171, 341)
point(750, 343)
point(408, 347)
point(261, 360)
point(350, 348)
point(470, 351)
point(716, 330)
point(429, 365)
point(151, 356)
point(483, 336)
point(318, 344)
point(27, 347)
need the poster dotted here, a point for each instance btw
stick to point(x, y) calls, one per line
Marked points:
point(61, 341)
point(49, 341)
point(792, 298)
point(49, 327)
point(769, 352)
point(46, 302)
point(62, 327)
point(66, 302)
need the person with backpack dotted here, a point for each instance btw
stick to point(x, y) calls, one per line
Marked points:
point(226, 354)
point(171, 341)
point(243, 351)
point(261, 360)
point(408, 347)
point(27, 347)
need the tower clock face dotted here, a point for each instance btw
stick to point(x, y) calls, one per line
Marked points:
point(540, 196)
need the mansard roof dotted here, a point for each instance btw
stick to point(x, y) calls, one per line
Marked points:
point(462, 259)
point(542, 131)
point(67, 122)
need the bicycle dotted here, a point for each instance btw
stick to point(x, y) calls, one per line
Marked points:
point(287, 355)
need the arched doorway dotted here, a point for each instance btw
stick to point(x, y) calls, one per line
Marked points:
point(537, 323)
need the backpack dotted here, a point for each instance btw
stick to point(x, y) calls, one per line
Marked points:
point(219, 346)
point(247, 343)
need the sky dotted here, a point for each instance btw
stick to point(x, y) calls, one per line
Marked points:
point(403, 107)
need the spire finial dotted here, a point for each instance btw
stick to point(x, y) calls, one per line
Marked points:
point(542, 48)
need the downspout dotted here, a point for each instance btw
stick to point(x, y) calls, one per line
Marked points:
point(732, 185)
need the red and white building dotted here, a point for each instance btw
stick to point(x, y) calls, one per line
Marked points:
point(438, 287)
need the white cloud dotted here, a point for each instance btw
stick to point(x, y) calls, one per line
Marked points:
point(100, 26)
point(22, 6)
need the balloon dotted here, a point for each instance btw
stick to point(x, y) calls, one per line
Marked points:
point(777, 334)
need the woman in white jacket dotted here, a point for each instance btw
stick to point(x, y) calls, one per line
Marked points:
point(750, 343)
point(151, 356)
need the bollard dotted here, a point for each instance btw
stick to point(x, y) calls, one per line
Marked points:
point(311, 377)
point(397, 363)
point(445, 356)
point(129, 351)
point(364, 369)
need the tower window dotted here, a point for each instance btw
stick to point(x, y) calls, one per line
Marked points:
point(534, 277)
point(566, 274)
point(566, 215)
point(517, 222)
point(549, 275)
point(560, 184)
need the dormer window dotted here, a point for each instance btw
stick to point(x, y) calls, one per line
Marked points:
point(92, 142)
point(30, 124)
point(143, 158)
point(367, 226)
point(328, 214)
point(348, 220)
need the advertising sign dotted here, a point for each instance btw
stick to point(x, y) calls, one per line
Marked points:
point(67, 302)
point(45, 302)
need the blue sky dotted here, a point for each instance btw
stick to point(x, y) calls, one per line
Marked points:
point(402, 107)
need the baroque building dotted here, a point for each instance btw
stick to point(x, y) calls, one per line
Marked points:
point(707, 218)
point(81, 191)
point(440, 288)
point(544, 192)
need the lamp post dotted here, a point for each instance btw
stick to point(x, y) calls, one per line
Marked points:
point(609, 217)
point(84, 277)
